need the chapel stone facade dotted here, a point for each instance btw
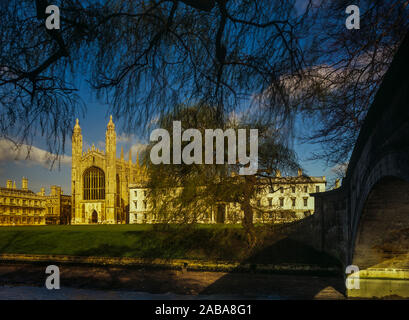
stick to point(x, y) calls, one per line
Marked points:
point(100, 181)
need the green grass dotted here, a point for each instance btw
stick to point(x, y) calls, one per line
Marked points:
point(202, 242)
point(145, 241)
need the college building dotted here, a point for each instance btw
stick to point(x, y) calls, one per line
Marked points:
point(21, 206)
point(280, 199)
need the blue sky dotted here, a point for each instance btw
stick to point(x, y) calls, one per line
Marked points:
point(14, 165)
point(42, 173)
point(93, 124)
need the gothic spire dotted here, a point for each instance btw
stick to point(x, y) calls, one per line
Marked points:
point(111, 124)
point(77, 128)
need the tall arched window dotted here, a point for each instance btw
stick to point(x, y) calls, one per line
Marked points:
point(94, 184)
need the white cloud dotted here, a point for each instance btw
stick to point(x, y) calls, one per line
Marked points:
point(130, 142)
point(29, 155)
point(124, 138)
point(137, 148)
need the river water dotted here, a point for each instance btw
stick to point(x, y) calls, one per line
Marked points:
point(41, 293)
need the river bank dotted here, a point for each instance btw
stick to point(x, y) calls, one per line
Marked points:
point(191, 261)
point(193, 284)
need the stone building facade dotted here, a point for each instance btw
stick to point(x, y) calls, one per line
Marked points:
point(282, 199)
point(58, 207)
point(99, 181)
point(24, 207)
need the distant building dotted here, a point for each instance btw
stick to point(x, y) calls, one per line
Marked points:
point(24, 207)
point(58, 207)
point(99, 181)
point(282, 199)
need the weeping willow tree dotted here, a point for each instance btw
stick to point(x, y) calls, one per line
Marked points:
point(188, 193)
point(144, 57)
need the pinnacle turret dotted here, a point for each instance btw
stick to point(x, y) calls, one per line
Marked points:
point(77, 127)
point(111, 124)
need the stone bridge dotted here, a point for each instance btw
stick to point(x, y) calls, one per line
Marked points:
point(365, 222)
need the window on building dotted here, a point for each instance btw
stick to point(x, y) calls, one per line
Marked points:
point(317, 188)
point(136, 204)
point(306, 189)
point(270, 202)
point(305, 202)
point(94, 184)
point(259, 203)
point(281, 202)
point(293, 202)
point(136, 193)
point(281, 190)
point(293, 189)
point(144, 204)
point(144, 193)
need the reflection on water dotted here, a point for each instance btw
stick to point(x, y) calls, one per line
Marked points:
point(41, 293)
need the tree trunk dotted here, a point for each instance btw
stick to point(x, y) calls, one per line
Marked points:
point(248, 213)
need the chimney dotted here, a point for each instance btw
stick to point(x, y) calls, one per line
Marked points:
point(299, 172)
point(9, 184)
point(278, 173)
point(24, 184)
point(55, 190)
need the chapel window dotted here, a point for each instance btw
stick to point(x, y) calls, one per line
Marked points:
point(94, 184)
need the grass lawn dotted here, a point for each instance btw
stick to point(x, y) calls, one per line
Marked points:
point(146, 241)
point(202, 242)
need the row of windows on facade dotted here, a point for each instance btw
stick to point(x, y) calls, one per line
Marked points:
point(19, 201)
point(271, 190)
point(28, 220)
point(230, 216)
point(19, 210)
point(281, 202)
point(270, 203)
point(293, 189)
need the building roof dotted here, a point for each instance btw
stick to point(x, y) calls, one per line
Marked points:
point(12, 190)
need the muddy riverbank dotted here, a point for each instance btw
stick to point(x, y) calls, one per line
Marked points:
point(177, 282)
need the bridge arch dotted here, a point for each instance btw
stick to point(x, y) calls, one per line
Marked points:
point(367, 181)
point(382, 235)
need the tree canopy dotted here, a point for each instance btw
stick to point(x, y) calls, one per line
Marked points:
point(188, 193)
point(146, 57)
